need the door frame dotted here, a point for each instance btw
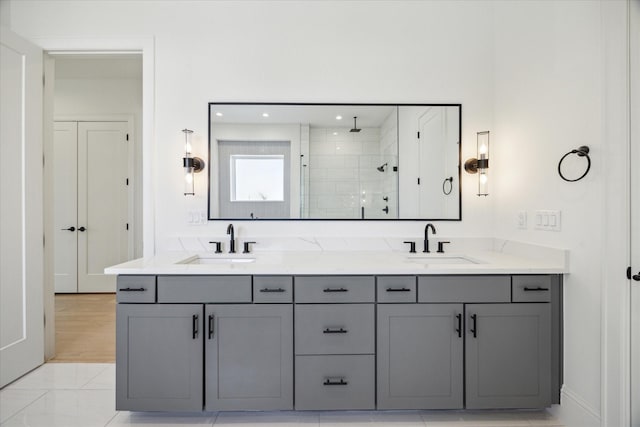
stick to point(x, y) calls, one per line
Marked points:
point(146, 47)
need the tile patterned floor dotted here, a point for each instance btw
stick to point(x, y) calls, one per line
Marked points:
point(82, 395)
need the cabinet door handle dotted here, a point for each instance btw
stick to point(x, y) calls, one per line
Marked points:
point(272, 290)
point(334, 331)
point(536, 289)
point(132, 290)
point(398, 290)
point(211, 326)
point(474, 327)
point(72, 228)
point(459, 325)
point(335, 290)
point(195, 326)
point(333, 382)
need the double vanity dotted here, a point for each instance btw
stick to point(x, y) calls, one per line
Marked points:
point(325, 330)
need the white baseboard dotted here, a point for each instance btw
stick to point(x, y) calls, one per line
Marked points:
point(574, 411)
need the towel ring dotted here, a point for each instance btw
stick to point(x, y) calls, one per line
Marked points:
point(444, 185)
point(582, 151)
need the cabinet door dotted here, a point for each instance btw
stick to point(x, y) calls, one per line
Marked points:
point(249, 357)
point(419, 363)
point(508, 355)
point(159, 357)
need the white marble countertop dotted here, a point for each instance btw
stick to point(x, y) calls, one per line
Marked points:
point(509, 258)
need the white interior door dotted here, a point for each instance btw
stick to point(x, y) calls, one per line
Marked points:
point(65, 206)
point(433, 133)
point(635, 209)
point(102, 203)
point(21, 229)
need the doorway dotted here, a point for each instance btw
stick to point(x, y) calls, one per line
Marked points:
point(96, 204)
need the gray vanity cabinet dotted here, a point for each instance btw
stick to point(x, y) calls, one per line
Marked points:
point(508, 355)
point(159, 357)
point(420, 350)
point(249, 357)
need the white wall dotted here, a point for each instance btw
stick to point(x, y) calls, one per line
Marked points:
point(548, 100)
point(330, 51)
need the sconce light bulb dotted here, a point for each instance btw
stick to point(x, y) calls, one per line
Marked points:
point(483, 178)
point(483, 149)
point(188, 177)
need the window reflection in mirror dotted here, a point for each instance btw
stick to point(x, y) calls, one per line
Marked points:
point(315, 161)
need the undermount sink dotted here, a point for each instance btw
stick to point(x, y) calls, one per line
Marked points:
point(217, 260)
point(439, 259)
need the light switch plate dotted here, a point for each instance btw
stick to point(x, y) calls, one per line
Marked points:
point(548, 220)
point(522, 220)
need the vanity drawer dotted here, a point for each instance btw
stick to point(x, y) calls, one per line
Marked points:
point(335, 329)
point(531, 288)
point(335, 289)
point(396, 288)
point(272, 289)
point(335, 382)
point(136, 289)
point(205, 289)
point(464, 289)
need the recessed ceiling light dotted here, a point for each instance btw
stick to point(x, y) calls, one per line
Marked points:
point(219, 114)
point(265, 114)
point(338, 117)
point(335, 133)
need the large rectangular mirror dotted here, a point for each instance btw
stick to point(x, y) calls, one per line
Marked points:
point(334, 161)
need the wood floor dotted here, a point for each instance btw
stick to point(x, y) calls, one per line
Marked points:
point(85, 328)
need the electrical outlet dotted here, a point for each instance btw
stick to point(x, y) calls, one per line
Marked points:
point(548, 220)
point(522, 220)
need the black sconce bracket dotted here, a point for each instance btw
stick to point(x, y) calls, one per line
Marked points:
point(193, 162)
point(472, 165)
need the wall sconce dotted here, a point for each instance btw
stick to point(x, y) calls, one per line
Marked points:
point(480, 165)
point(191, 164)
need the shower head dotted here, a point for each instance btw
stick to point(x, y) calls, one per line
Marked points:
point(355, 128)
point(381, 168)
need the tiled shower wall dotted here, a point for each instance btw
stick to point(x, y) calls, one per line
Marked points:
point(343, 175)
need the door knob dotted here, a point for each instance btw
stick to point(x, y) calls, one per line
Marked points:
point(69, 229)
point(81, 229)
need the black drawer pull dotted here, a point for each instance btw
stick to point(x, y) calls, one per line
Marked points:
point(536, 289)
point(459, 325)
point(132, 289)
point(335, 290)
point(334, 331)
point(330, 382)
point(211, 326)
point(195, 326)
point(474, 328)
point(272, 290)
point(398, 290)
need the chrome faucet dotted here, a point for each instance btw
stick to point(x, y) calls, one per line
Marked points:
point(232, 243)
point(426, 236)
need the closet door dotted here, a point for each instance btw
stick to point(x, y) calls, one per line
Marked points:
point(65, 210)
point(102, 203)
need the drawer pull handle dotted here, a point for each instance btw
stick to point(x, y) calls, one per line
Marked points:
point(474, 328)
point(536, 289)
point(194, 326)
point(334, 331)
point(336, 290)
point(272, 290)
point(132, 290)
point(459, 325)
point(211, 326)
point(398, 290)
point(330, 382)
